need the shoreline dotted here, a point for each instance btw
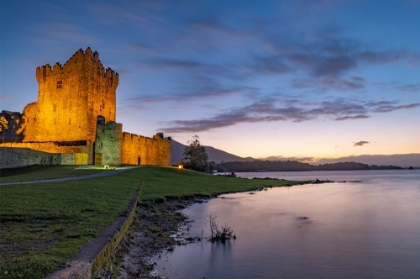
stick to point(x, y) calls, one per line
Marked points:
point(157, 229)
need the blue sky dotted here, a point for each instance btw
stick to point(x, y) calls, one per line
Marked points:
point(311, 79)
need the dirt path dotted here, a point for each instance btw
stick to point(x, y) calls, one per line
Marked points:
point(88, 176)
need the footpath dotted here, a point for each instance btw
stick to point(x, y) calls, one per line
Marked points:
point(88, 176)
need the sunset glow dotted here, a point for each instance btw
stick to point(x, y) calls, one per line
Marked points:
point(280, 79)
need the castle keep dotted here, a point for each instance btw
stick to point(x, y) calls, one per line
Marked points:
point(74, 118)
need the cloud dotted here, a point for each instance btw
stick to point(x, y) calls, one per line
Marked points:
point(352, 117)
point(197, 87)
point(272, 110)
point(142, 47)
point(175, 64)
point(395, 86)
point(234, 45)
point(326, 55)
point(409, 87)
point(140, 14)
point(323, 84)
point(360, 143)
point(203, 92)
point(389, 108)
point(241, 46)
point(58, 32)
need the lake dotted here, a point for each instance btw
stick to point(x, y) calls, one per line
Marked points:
point(368, 227)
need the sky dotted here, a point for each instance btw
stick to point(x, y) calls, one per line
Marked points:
point(289, 79)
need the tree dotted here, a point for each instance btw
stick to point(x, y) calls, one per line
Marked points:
point(195, 156)
point(3, 123)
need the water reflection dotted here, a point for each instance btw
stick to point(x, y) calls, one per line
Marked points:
point(339, 230)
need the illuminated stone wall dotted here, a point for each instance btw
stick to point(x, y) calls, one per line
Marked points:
point(70, 97)
point(19, 157)
point(44, 146)
point(109, 143)
point(139, 150)
point(51, 147)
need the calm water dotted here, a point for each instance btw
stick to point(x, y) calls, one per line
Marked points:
point(366, 229)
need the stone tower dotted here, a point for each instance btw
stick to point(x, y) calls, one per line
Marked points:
point(70, 98)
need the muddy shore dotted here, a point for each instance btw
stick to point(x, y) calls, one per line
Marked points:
point(155, 230)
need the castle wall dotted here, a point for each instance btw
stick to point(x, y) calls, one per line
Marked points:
point(70, 97)
point(75, 100)
point(139, 150)
point(19, 157)
point(68, 159)
point(50, 147)
point(109, 143)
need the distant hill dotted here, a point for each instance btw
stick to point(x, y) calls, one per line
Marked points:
point(402, 160)
point(215, 154)
point(259, 165)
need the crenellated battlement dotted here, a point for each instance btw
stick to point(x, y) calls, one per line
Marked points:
point(72, 95)
point(141, 150)
point(76, 106)
point(130, 136)
point(80, 59)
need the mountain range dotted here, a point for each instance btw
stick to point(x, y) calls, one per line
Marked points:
point(217, 155)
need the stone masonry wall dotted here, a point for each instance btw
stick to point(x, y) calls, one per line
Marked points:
point(139, 150)
point(50, 147)
point(19, 157)
point(109, 143)
point(70, 97)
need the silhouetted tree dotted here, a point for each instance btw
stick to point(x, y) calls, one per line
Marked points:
point(195, 156)
point(3, 123)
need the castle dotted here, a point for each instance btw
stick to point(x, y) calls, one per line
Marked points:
point(73, 121)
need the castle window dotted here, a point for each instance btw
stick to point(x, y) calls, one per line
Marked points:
point(69, 120)
point(54, 107)
point(59, 84)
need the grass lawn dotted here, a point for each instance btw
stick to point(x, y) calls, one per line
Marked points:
point(43, 225)
point(173, 182)
point(38, 172)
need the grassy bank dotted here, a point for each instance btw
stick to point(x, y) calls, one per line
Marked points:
point(43, 225)
point(162, 183)
point(38, 172)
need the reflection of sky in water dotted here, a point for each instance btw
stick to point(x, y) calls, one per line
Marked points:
point(353, 230)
